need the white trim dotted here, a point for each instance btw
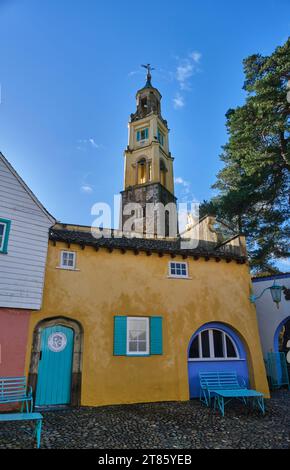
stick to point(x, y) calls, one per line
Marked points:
point(215, 359)
point(64, 266)
point(178, 276)
point(67, 268)
point(211, 347)
point(138, 353)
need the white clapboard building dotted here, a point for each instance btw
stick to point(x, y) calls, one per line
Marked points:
point(24, 231)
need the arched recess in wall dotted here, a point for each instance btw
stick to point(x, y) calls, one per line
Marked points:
point(76, 377)
point(163, 171)
point(214, 347)
point(141, 171)
point(282, 336)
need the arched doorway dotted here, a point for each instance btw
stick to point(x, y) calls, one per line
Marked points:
point(55, 366)
point(215, 347)
point(282, 340)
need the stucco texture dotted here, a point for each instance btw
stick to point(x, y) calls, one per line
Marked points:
point(108, 284)
point(13, 341)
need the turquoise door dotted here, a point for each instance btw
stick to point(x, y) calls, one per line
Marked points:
point(55, 366)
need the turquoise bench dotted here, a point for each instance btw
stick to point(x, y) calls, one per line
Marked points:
point(15, 390)
point(37, 417)
point(224, 387)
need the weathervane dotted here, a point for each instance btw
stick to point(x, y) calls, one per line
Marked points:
point(149, 69)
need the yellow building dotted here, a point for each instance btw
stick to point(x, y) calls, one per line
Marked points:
point(128, 320)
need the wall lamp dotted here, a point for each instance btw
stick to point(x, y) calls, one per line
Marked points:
point(276, 293)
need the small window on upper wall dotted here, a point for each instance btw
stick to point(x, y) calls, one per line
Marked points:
point(4, 234)
point(68, 259)
point(178, 269)
point(142, 134)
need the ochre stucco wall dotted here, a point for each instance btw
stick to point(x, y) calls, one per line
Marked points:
point(109, 284)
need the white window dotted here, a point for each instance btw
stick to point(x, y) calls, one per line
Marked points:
point(213, 344)
point(178, 269)
point(68, 259)
point(137, 335)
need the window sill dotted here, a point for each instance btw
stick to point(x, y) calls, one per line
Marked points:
point(67, 269)
point(216, 359)
point(138, 355)
point(186, 278)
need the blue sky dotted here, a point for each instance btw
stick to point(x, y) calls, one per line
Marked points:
point(69, 70)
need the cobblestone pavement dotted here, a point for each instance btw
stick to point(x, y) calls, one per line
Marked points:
point(179, 425)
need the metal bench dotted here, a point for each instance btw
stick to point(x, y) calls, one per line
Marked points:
point(224, 387)
point(37, 417)
point(14, 390)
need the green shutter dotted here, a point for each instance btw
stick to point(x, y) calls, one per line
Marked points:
point(138, 136)
point(7, 231)
point(146, 133)
point(120, 336)
point(156, 335)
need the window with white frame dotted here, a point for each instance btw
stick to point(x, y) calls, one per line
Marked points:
point(213, 344)
point(178, 269)
point(137, 335)
point(68, 259)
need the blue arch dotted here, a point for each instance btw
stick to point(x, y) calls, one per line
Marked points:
point(238, 365)
point(277, 333)
point(223, 327)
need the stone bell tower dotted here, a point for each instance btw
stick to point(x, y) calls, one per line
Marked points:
point(148, 163)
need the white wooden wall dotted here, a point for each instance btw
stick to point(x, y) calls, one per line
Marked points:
point(269, 317)
point(22, 269)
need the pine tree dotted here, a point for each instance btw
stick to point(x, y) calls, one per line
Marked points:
point(253, 186)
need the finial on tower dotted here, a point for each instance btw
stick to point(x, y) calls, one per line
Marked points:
point(148, 76)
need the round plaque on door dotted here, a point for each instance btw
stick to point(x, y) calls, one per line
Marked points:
point(57, 342)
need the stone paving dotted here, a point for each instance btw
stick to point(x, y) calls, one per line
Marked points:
point(174, 425)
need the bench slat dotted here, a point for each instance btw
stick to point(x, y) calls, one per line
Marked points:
point(20, 416)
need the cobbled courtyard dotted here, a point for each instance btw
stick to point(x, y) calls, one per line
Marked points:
point(175, 425)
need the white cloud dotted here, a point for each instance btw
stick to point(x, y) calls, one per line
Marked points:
point(185, 184)
point(183, 72)
point(178, 101)
point(86, 188)
point(185, 191)
point(186, 68)
point(84, 143)
point(195, 56)
point(180, 180)
point(94, 144)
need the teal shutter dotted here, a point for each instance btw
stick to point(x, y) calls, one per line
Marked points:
point(138, 136)
point(120, 336)
point(8, 225)
point(156, 335)
point(146, 133)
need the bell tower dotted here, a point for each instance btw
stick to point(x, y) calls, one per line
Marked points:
point(148, 162)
